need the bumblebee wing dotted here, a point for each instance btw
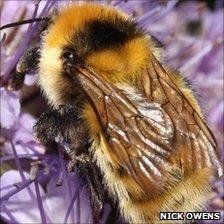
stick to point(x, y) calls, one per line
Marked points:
point(137, 139)
point(194, 144)
point(140, 143)
point(140, 139)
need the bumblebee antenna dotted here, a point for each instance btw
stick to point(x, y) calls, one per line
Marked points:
point(24, 22)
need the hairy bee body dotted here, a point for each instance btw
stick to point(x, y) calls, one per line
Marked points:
point(181, 193)
point(145, 129)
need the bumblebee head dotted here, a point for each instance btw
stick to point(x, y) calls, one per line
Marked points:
point(92, 35)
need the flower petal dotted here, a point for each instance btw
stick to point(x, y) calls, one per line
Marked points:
point(10, 108)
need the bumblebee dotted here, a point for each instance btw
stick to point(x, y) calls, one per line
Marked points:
point(131, 123)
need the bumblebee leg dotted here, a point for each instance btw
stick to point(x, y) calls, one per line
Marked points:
point(97, 193)
point(113, 217)
point(17, 81)
point(62, 124)
point(65, 123)
point(96, 204)
point(91, 175)
point(28, 63)
point(48, 127)
point(99, 197)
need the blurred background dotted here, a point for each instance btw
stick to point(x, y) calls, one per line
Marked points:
point(192, 34)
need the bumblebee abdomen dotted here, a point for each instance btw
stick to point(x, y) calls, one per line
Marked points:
point(181, 193)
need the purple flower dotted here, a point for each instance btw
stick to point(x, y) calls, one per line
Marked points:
point(10, 108)
point(24, 204)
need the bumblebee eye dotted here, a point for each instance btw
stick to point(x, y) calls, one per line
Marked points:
point(69, 56)
point(71, 59)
